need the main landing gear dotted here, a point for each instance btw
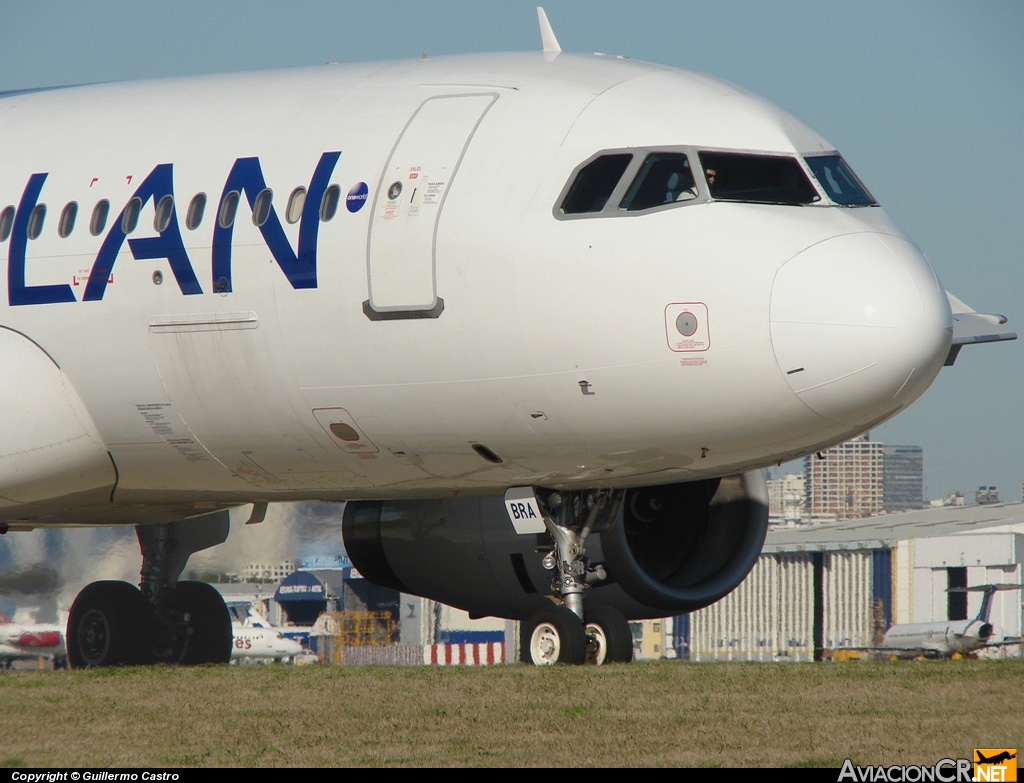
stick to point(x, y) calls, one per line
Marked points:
point(163, 620)
point(566, 632)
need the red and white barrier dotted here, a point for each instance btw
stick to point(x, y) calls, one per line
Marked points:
point(481, 654)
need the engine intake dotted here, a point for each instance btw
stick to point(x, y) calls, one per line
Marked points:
point(681, 547)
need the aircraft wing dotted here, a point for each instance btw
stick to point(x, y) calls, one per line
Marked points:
point(970, 327)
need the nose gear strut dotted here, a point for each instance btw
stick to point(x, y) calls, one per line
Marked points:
point(563, 516)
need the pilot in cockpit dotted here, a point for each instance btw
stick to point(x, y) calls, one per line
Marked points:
point(680, 187)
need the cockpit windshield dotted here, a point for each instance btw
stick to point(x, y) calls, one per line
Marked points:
point(594, 184)
point(639, 180)
point(664, 178)
point(839, 182)
point(765, 179)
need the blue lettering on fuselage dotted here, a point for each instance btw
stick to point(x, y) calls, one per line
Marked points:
point(246, 176)
point(17, 292)
point(168, 245)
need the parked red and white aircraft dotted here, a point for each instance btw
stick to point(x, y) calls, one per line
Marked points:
point(500, 303)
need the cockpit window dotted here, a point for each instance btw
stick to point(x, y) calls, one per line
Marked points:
point(839, 182)
point(594, 184)
point(764, 179)
point(664, 178)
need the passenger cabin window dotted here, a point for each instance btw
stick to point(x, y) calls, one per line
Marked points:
point(329, 203)
point(196, 208)
point(35, 221)
point(664, 178)
point(66, 224)
point(162, 216)
point(98, 221)
point(228, 207)
point(839, 182)
point(6, 223)
point(296, 201)
point(594, 184)
point(762, 179)
point(261, 207)
point(130, 218)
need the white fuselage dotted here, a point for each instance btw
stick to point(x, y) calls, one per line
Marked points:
point(214, 369)
point(256, 642)
point(939, 639)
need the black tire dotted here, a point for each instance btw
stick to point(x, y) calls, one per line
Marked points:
point(103, 626)
point(609, 638)
point(211, 637)
point(553, 635)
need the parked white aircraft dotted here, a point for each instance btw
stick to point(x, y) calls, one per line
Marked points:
point(257, 638)
point(945, 638)
point(585, 296)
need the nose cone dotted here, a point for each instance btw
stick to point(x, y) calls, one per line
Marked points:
point(860, 326)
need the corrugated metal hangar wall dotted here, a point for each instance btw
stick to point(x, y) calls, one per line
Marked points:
point(792, 606)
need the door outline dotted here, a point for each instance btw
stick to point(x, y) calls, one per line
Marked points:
point(375, 311)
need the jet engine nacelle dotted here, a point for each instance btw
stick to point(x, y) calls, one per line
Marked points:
point(670, 549)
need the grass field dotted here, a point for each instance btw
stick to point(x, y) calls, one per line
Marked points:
point(641, 714)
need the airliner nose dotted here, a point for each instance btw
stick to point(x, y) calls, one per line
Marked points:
point(860, 326)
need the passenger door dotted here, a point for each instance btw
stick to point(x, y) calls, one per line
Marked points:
point(401, 250)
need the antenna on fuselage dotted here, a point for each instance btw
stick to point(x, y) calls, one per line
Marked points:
point(549, 44)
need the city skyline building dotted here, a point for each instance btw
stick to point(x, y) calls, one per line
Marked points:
point(861, 478)
point(902, 478)
point(269, 572)
point(786, 499)
point(845, 480)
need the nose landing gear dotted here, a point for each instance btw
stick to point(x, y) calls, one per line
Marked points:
point(566, 632)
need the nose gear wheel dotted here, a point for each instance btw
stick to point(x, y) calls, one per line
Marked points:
point(554, 635)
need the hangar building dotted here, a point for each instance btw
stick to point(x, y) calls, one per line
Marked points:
point(841, 585)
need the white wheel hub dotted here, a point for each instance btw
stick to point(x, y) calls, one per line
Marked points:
point(545, 644)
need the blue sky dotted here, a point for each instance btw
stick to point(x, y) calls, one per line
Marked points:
point(925, 99)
